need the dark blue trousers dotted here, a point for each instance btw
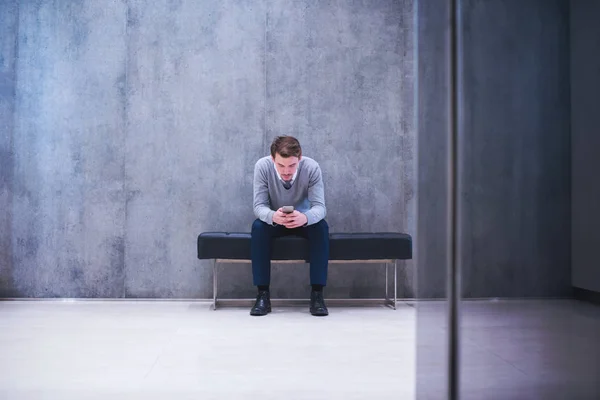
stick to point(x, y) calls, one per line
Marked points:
point(262, 242)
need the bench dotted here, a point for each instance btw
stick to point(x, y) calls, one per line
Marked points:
point(373, 248)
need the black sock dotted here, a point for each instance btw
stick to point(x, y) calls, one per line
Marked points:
point(317, 288)
point(263, 287)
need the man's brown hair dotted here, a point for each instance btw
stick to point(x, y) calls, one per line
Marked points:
point(286, 146)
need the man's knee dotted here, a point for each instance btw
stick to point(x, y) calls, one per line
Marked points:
point(259, 226)
point(320, 226)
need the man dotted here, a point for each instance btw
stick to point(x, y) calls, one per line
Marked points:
point(286, 178)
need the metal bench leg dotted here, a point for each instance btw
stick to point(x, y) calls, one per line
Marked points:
point(387, 297)
point(395, 282)
point(215, 285)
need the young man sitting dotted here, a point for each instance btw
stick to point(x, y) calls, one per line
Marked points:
point(286, 178)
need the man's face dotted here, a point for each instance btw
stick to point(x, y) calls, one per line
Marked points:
point(286, 166)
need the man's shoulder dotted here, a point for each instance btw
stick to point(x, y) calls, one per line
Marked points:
point(309, 163)
point(264, 162)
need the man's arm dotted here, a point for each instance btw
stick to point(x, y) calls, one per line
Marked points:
point(316, 197)
point(262, 203)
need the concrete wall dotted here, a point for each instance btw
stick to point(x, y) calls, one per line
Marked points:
point(514, 155)
point(585, 128)
point(195, 125)
point(8, 48)
point(137, 124)
point(68, 195)
point(517, 149)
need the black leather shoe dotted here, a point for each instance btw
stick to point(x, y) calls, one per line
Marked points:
point(263, 303)
point(317, 304)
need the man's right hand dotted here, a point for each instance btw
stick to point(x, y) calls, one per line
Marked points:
point(280, 218)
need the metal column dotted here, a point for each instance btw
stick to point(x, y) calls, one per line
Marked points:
point(215, 285)
point(453, 266)
point(395, 282)
point(386, 282)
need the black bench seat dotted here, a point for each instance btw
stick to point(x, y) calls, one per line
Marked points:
point(379, 247)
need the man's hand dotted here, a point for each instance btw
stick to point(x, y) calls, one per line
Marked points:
point(280, 218)
point(295, 219)
point(292, 220)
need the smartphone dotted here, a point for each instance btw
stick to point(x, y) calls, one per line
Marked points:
point(288, 209)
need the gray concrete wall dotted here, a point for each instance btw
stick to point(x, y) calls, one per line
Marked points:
point(130, 118)
point(195, 117)
point(585, 128)
point(137, 124)
point(516, 149)
point(68, 194)
point(515, 152)
point(8, 47)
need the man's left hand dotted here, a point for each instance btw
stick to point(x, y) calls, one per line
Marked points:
point(295, 219)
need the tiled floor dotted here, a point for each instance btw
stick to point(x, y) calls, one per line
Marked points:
point(512, 349)
point(184, 350)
